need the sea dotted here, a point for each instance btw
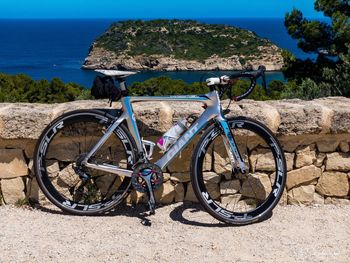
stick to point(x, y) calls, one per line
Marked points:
point(45, 49)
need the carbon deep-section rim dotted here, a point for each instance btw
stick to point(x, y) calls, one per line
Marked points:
point(238, 198)
point(74, 133)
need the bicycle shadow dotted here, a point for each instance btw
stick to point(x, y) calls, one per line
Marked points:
point(194, 214)
point(139, 211)
point(178, 215)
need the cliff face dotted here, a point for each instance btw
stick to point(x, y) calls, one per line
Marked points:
point(180, 45)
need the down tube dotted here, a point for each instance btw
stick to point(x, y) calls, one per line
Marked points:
point(183, 141)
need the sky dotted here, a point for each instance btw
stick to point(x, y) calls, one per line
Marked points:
point(153, 8)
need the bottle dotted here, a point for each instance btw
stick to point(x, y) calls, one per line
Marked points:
point(171, 136)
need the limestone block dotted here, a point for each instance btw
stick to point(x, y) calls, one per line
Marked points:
point(303, 175)
point(333, 184)
point(182, 162)
point(262, 160)
point(179, 192)
point(301, 195)
point(230, 187)
point(344, 146)
point(12, 190)
point(180, 177)
point(230, 199)
point(327, 144)
point(190, 195)
point(289, 160)
point(211, 177)
point(319, 159)
point(257, 186)
point(305, 155)
point(12, 163)
point(338, 162)
point(166, 193)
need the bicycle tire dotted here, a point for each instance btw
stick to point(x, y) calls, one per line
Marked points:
point(46, 153)
point(240, 193)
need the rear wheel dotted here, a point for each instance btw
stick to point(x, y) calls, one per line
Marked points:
point(60, 175)
point(221, 188)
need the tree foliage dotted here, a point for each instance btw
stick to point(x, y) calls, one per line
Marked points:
point(329, 42)
point(22, 88)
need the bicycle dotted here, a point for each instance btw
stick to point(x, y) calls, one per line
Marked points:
point(86, 160)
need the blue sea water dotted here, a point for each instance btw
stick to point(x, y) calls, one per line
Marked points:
point(45, 49)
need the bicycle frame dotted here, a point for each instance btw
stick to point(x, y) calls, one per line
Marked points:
point(212, 111)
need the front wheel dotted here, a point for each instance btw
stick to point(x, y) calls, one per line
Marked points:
point(226, 193)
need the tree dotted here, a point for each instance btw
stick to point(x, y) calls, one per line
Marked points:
point(328, 41)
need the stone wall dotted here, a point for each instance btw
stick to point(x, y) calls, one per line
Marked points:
point(315, 136)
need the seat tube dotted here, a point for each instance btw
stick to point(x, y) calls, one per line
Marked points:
point(131, 121)
point(232, 143)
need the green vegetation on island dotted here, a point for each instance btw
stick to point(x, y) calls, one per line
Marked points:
point(183, 39)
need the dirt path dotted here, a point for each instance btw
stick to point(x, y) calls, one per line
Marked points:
point(177, 233)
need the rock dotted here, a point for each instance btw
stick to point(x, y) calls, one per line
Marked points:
point(190, 195)
point(230, 187)
point(336, 201)
point(231, 199)
point(301, 195)
point(333, 184)
point(166, 193)
point(257, 186)
point(344, 146)
point(12, 163)
point(262, 160)
point(305, 155)
point(303, 175)
point(34, 194)
point(211, 177)
point(182, 162)
point(327, 145)
point(213, 190)
point(318, 199)
point(179, 192)
point(180, 177)
point(289, 160)
point(338, 162)
point(12, 190)
point(319, 159)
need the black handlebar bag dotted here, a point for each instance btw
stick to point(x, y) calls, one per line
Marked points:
point(104, 88)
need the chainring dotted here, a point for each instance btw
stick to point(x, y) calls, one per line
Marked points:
point(146, 169)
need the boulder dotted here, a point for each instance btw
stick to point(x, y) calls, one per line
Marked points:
point(179, 192)
point(211, 177)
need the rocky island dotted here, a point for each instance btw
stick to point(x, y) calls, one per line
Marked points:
point(173, 45)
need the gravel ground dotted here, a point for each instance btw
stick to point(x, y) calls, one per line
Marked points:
point(177, 233)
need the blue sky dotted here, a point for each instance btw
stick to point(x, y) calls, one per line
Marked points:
point(152, 8)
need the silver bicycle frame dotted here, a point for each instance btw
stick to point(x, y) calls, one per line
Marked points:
point(212, 111)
